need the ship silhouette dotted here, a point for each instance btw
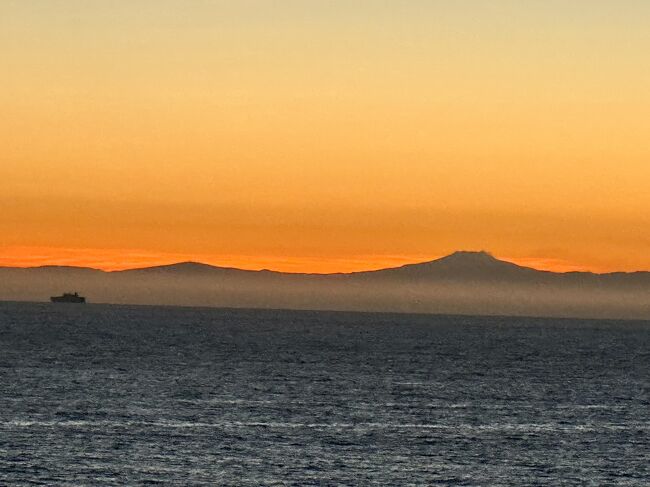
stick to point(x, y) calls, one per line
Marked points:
point(68, 298)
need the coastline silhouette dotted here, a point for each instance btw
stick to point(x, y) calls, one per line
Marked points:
point(461, 283)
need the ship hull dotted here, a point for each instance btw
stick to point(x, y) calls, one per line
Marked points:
point(60, 299)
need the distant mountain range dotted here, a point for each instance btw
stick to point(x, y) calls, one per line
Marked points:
point(463, 282)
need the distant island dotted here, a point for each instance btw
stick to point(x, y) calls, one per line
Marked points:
point(461, 283)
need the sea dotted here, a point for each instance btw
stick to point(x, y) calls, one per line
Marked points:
point(142, 395)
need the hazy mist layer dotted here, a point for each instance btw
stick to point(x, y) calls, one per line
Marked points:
point(464, 283)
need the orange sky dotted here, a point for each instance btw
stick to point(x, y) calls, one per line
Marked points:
point(325, 136)
point(120, 259)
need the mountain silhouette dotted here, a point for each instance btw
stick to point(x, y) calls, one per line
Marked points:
point(182, 268)
point(460, 265)
point(463, 282)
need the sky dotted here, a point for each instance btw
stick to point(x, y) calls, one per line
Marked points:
point(325, 135)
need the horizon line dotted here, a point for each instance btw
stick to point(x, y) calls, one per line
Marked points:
point(525, 263)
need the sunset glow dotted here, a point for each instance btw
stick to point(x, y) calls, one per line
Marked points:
point(121, 259)
point(329, 136)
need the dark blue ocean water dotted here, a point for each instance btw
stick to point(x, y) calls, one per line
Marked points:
point(101, 395)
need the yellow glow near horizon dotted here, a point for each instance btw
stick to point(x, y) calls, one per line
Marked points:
point(326, 136)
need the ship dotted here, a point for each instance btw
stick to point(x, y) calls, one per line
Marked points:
point(68, 298)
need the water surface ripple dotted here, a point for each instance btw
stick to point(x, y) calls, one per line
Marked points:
point(115, 395)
